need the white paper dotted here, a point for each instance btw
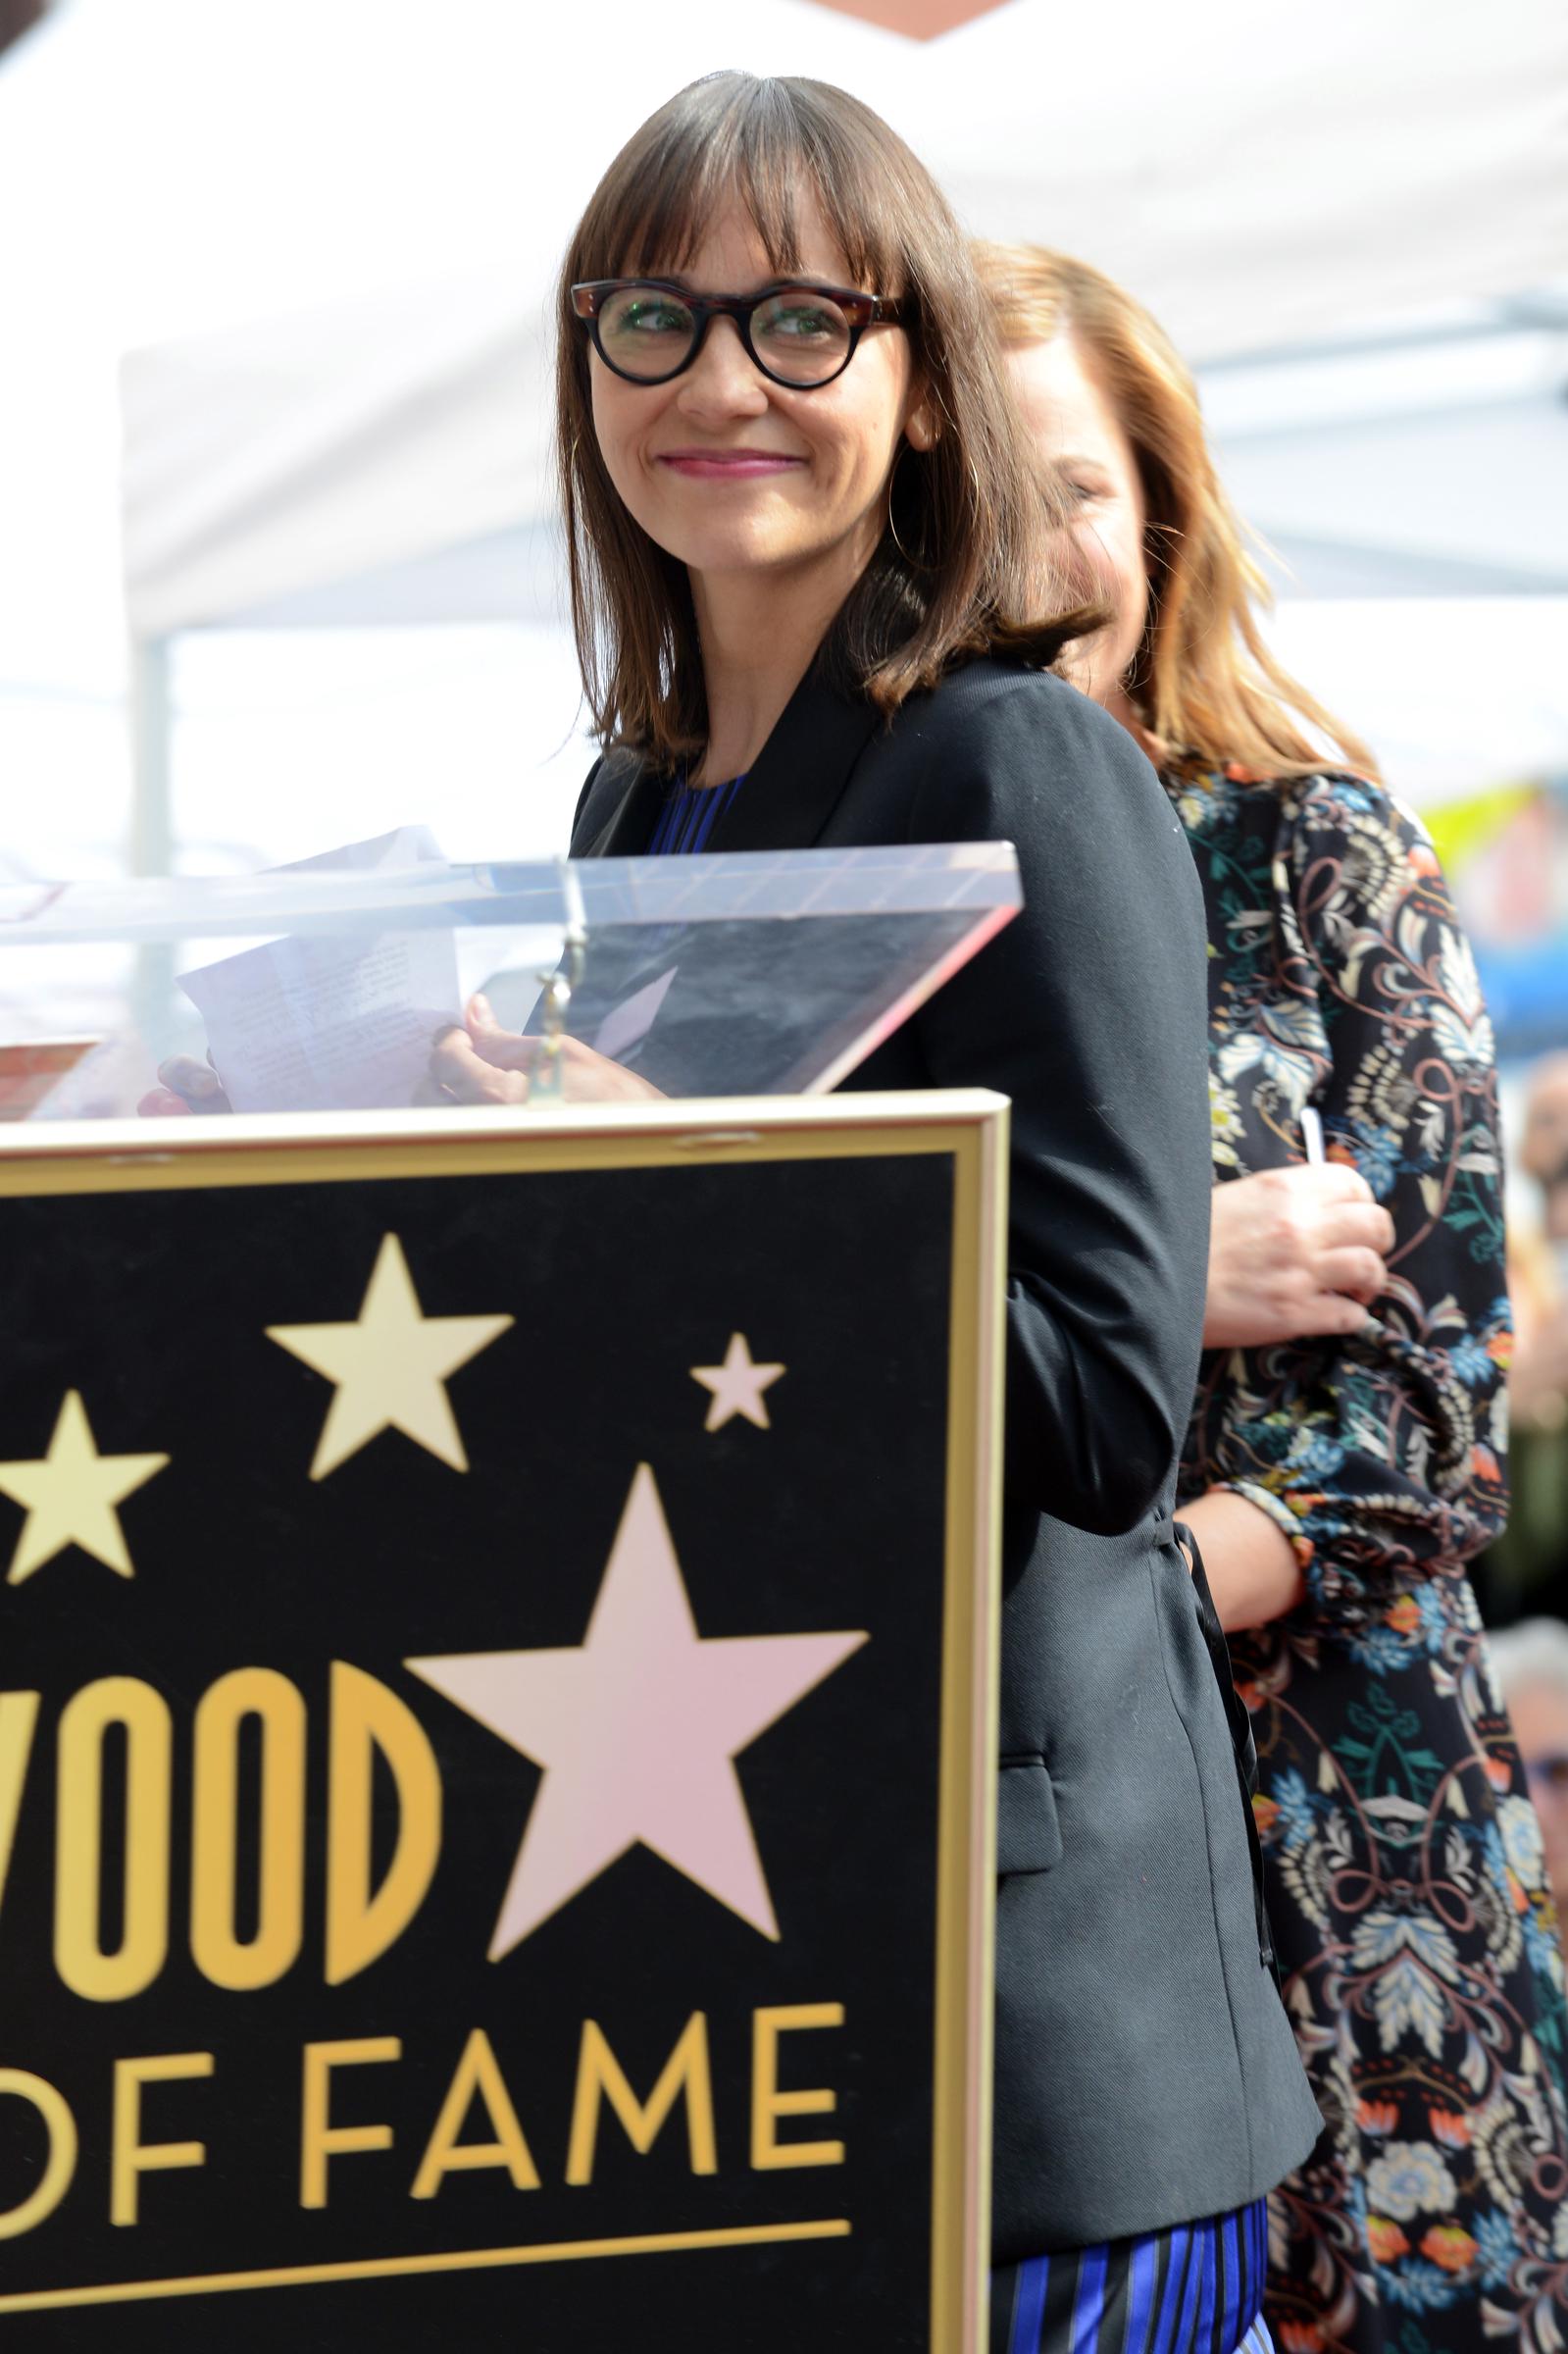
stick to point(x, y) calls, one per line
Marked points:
point(324, 1024)
point(509, 965)
point(626, 1025)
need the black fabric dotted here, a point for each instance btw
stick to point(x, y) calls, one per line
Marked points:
point(1145, 2073)
point(1241, 1723)
point(1028, 1831)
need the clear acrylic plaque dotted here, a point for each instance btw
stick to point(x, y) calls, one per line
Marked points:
point(325, 989)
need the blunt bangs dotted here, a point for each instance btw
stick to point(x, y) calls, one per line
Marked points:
point(736, 139)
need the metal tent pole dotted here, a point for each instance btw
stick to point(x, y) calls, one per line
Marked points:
point(152, 833)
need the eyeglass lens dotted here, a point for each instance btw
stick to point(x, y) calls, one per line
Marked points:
point(799, 336)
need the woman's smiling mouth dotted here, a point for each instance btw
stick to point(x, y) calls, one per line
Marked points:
point(727, 464)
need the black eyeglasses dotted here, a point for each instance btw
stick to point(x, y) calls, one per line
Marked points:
point(648, 330)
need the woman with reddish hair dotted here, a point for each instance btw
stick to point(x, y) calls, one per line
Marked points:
point(1344, 1455)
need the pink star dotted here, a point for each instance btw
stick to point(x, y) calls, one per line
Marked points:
point(736, 1385)
point(636, 1731)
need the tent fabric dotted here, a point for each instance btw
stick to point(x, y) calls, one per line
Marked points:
point(1470, 501)
point(261, 462)
point(1260, 176)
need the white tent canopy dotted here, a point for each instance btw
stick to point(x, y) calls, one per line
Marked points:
point(326, 230)
point(1263, 177)
point(374, 452)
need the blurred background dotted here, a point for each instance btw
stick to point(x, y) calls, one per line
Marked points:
point(278, 564)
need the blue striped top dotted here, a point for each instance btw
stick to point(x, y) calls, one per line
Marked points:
point(1196, 2290)
point(688, 816)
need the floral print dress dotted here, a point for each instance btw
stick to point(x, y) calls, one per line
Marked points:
point(1417, 1944)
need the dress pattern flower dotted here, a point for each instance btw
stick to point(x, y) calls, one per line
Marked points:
point(1407, 1892)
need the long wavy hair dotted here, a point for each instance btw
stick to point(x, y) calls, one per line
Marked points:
point(1204, 681)
point(969, 562)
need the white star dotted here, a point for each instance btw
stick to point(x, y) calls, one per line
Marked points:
point(736, 1385)
point(391, 1366)
point(71, 1496)
point(636, 1730)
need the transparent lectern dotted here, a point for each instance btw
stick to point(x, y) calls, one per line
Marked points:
point(320, 989)
point(498, 1614)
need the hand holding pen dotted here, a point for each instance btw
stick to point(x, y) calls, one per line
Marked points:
point(1295, 1251)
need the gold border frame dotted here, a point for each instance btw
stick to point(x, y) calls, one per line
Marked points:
point(971, 1127)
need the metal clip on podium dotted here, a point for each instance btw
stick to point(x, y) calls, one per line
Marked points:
point(497, 1613)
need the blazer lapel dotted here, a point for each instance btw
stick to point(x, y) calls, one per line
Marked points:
point(623, 811)
point(800, 774)
point(789, 796)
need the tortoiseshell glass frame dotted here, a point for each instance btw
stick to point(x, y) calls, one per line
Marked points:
point(860, 310)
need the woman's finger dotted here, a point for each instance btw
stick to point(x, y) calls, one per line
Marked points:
point(195, 1083)
point(455, 1072)
point(507, 1049)
point(1361, 1225)
point(462, 1075)
point(1361, 1273)
point(1338, 1181)
point(1329, 1313)
point(197, 1080)
point(454, 1068)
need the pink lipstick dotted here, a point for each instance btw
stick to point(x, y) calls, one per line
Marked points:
point(727, 464)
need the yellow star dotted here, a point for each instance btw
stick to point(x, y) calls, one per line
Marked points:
point(391, 1366)
point(71, 1496)
point(736, 1385)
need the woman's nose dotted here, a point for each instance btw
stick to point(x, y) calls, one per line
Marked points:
point(722, 380)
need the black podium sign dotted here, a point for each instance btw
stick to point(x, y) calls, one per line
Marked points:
point(495, 1744)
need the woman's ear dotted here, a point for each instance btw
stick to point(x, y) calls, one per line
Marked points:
point(922, 430)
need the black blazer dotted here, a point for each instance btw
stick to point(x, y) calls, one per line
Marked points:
point(1145, 2071)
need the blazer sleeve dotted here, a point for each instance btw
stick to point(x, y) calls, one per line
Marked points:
point(1089, 1011)
point(1384, 1460)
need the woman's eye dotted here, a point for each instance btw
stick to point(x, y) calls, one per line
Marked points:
point(1080, 494)
point(801, 324)
point(653, 319)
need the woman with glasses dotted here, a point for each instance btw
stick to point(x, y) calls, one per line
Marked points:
point(809, 575)
point(1344, 1455)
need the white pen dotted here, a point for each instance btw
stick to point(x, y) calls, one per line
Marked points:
point(1312, 1134)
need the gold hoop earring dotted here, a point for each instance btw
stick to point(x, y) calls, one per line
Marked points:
point(915, 563)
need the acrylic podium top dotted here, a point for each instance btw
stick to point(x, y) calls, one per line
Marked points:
point(321, 988)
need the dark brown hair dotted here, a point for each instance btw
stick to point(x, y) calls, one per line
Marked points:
point(969, 562)
point(1204, 681)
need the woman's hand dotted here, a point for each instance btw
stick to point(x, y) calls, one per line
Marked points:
point(482, 1064)
point(1293, 1252)
point(184, 1086)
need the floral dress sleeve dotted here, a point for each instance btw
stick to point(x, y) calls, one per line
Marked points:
point(1383, 1456)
